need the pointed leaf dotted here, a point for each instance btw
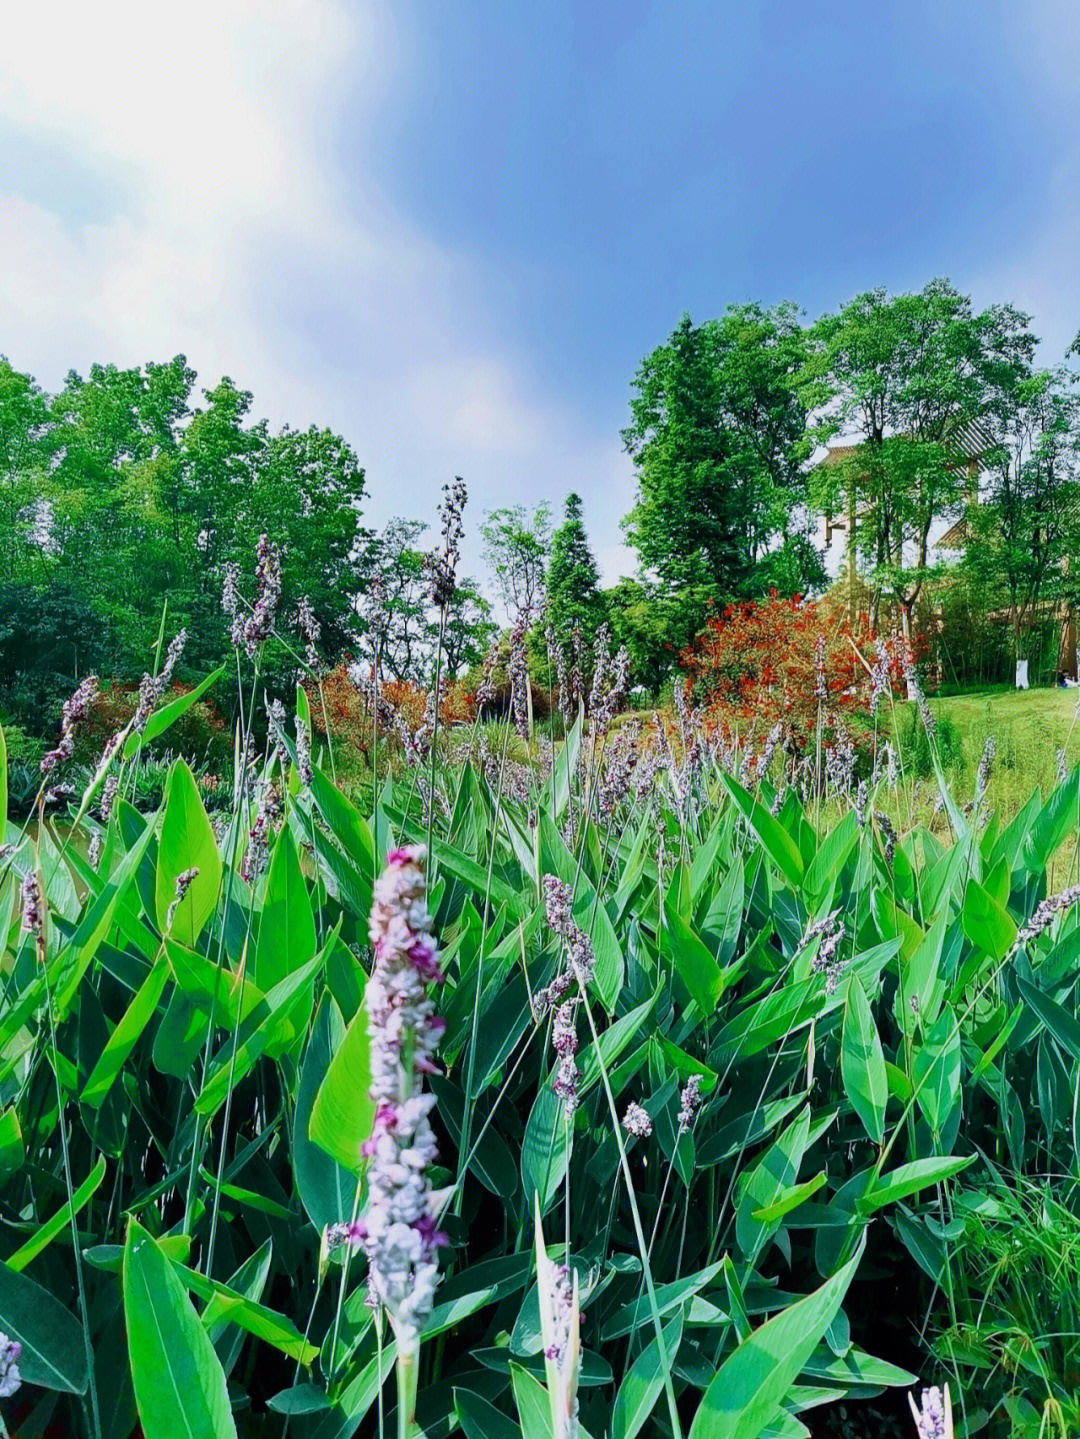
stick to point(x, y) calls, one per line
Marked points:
point(747, 1393)
point(179, 1382)
point(862, 1062)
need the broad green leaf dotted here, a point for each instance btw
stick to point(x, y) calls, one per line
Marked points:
point(1058, 816)
point(775, 840)
point(694, 960)
point(1011, 840)
point(935, 1071)
point(225, 1304)
point(774, 1173)
point(179, 1382)
point(452, 1312)
point(668, 1298)
point(938, 882)
point(273, 1024)
point(12, 1150)
point(286, 938)
point(920, 992)
point(533, 1405)
point(792, 1006)
point(701, 866)
point(187, 842)
point(746, 1129)
point(348, 826)
point(790, 1199)
point(126, 1035)
point(53, 1350)
point(723, 920)
point(480, 1419)
point(213, 988)
point(685, 1064)
point(343, 1113)
point(556, 793)
point(180, 1039)
point(908, 1179)
point(748, 1392)
point(249, 1279)
point(1061, 1024)
point(327, 1189)
point(545, 1148)
point(300, 1399)
point(832, 853)
point(100, 915)
point(862, 1062)
point(643, 1383)
point(986, 923)
point(857, 1367)
point(895, 923)
point(612, 1042)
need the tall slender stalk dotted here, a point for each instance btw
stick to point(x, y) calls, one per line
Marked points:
point(41, 950)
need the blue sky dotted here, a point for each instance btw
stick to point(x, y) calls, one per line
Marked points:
point(451, 231)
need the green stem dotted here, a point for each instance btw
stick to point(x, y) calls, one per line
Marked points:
point(407, 1370)
point(665, 1363)
point(84, 1312)
point(435, 732)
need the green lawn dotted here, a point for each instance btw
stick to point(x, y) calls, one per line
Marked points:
point(1030, 728)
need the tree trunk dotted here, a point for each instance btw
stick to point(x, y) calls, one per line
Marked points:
point(851, 566)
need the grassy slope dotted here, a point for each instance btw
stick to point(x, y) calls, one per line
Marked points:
point(1029, 727)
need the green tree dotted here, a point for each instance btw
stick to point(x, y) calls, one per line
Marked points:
point(516, 545)
point(308, 492)
point(23, 471)
point(719, 438)
point(1025, 528)
point(395, 560)
point(124, 492)
point(573, 595)
point(113, 442)
point(910, 377)
point(468, 631)
point(656, 623)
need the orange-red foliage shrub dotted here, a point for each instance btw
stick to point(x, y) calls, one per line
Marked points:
point(755, 665)
point(349, 714)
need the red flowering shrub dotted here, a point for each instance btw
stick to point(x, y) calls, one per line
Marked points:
point(758, 664)
point(349, 714)
point(200, 733)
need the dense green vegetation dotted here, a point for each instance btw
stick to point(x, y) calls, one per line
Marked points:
point(775, 1084)
point(751, 1099)
point(129, 487)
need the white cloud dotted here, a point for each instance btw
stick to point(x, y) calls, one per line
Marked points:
point(200, 205)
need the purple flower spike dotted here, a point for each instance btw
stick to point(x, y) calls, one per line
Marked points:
point(400, 1234)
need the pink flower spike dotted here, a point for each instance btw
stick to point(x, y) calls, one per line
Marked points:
point(403, 1035)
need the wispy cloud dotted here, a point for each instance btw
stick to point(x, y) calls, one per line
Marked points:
point(175, 181)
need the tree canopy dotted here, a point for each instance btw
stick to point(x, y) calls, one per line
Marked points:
point(573, 595)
